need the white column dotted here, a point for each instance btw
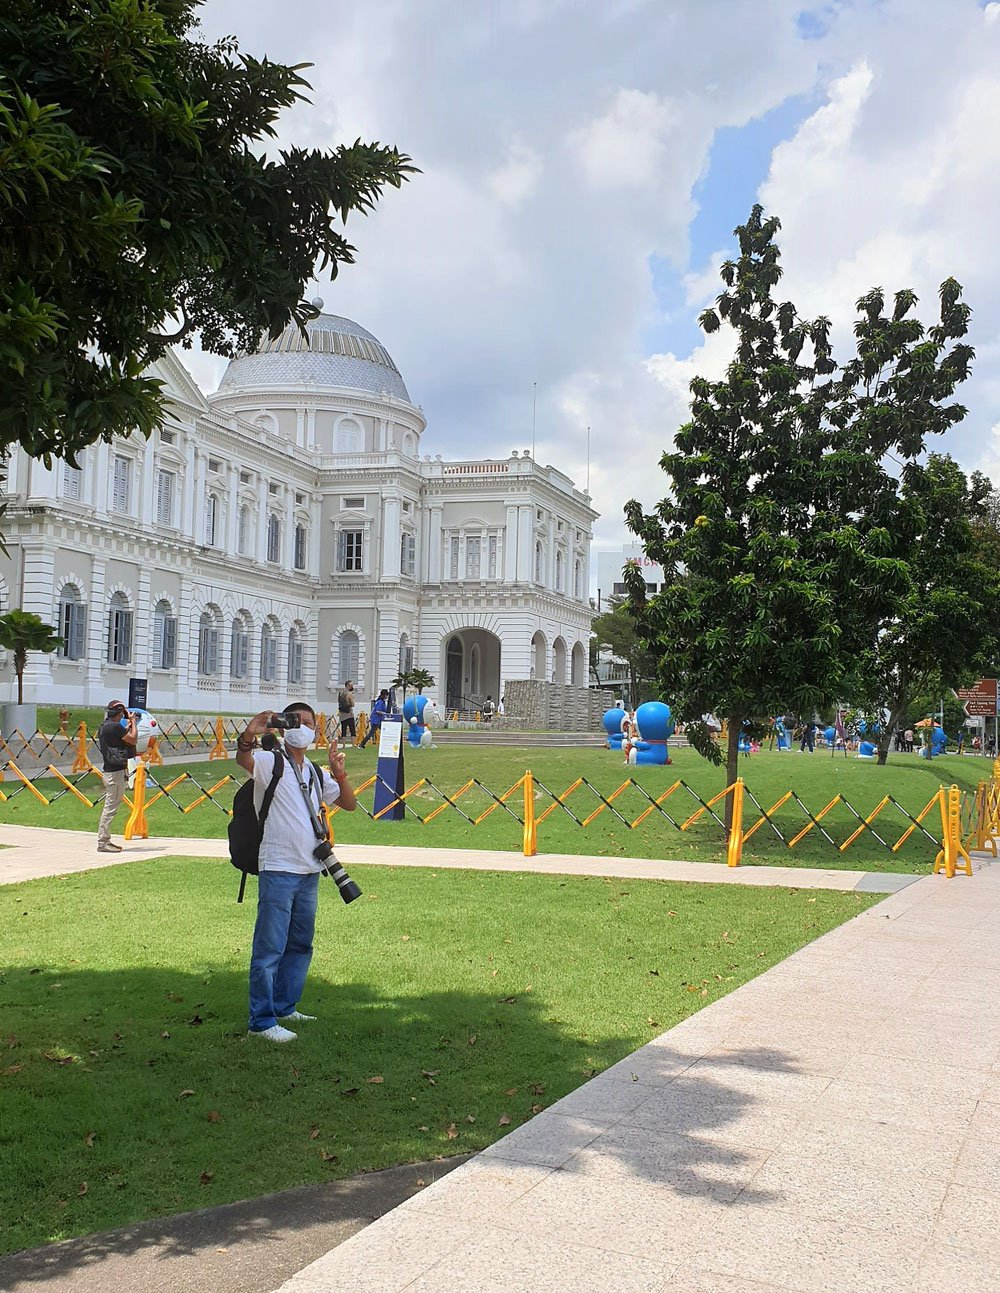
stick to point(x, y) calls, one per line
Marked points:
point(300, 427)
point(391, 529)
point(233, 508)
point(510, 545)
point(262, 497)
point(288, 538)
point(550, 555)
point(314, 551)
point(142, 624)
point(187, 511)
point(42, 480)
point(102, 477)
point(97, 629)
point(435, 572)
point(526, 542)
point(311, 429)
point(187, 645)
point(147, 466)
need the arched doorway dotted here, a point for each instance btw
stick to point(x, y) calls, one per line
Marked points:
point(454, 659)
point(538, 656)
point(559, 661)
point(579, 666)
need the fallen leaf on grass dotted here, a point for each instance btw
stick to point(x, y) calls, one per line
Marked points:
point(82, 1190)
point(423, 1129)
point(511, 1090)
point(164, 1033)
point(472, 1040)
point(508, 1001)
point(420, 1182)
point(206, 1177)
point(537, 1108)
point(451, 1131)
point(537, 1088)
point(327, 1157)
point(89, 1139)
point(470, 1117)
point(405, 938)
point(375, 1081)
point(186, 1092)
point(214, 1115)
point(313, 1132)
point(11, 1069)
point(504, 1120)
point(351, 1090)
point(58, 1059)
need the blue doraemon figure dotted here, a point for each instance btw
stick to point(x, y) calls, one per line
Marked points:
point(654, 726)
point(867, 750)
point(418, 714)
point(783, 734)
point(830, 736)
point(612, 724)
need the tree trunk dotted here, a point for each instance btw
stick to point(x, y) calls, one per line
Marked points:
point(20, 661)
point(735, 722)
point(885, 737)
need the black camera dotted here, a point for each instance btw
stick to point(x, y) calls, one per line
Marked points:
point(348, 889)
point(282, 722)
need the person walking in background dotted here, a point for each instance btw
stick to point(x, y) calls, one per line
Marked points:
point(808, 737)
point(379, 711)
point(488, 710)
point(345, 711)
point(908, 740)
point(116, 738)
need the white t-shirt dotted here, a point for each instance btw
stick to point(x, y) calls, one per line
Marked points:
point(289, 838)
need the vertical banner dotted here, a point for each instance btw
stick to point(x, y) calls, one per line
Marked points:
point(389, 770)
point(137, 692)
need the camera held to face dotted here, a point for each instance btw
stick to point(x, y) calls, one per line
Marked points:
point(323, 852)
point(282, 722)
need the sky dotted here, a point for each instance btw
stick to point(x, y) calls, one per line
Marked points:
point(583, 165)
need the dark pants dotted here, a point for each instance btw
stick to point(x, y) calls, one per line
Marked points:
point(371, 734)
point(347, 726)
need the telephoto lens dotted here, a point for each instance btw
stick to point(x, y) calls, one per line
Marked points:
point(323, 852)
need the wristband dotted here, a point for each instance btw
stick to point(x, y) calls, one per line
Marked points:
point(244, 745)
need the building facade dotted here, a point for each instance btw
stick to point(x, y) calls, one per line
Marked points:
point(287, 533)
point(610, 572)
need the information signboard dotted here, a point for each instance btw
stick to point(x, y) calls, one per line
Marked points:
point(980, 700)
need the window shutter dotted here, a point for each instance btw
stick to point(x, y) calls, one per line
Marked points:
point(158, 621)
point(121, 483)
point(77, 632)
point(126, 637)
point(342, 552)
point(169, 642)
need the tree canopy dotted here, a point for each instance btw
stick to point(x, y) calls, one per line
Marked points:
point(138, 209)
point(21, 632)
point(617, 629)
point(776, 538)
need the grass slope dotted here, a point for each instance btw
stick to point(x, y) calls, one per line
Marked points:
point(816, 779)
point(449, 1002)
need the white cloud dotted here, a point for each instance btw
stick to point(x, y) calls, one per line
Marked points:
point(626, 145)
point(515, 180)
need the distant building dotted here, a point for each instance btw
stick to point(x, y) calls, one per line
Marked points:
point(610, 567)
point(285, 534)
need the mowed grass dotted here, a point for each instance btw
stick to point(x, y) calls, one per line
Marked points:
point(452, 1006)
point(816, 779)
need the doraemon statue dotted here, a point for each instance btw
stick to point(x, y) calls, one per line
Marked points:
point(612, 724)
point(418, 713)
point(146, 729)
point(866, 750)
point(654, 726)
point(783, 734)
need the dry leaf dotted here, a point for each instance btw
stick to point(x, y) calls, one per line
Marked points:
point(206, 1177)
point(82, 1190)
point(508, 1001)
point(327, 1157)
point(89, 1139)
point(405, 938)
point(295, 1073)
point(537, 1108)
point(420, 1182)
point(451, 1131)
point(537, 1088)
point(511, 1090)
point(56, 1058)
point(214, 1116)
point(351, 1090)
point(313, 1132)
point(472, 1040)
point(423, 1129)
point(470, 1117)
point(375, 1081)
point(187, 1091)
point(11, 1069)
point(429, 1073)
point(164, 1033)
point(494, 973)
point(504, 1120)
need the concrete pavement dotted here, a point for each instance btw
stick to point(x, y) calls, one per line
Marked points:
point(30, 852)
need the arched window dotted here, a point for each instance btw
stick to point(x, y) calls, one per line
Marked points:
point(119, 630)
point(239, 650)
point(350, 655)
point(268, 654)
point(294, 657)
point(538, 656)
point(300, 547)
point(164, 636)
point(538, 561)
point(208, 645)
point(72, 624)
point(348, 440)
point(559, 661)
point(273, 538)
point(243, 530)
point(474, 669)
point(409, 444)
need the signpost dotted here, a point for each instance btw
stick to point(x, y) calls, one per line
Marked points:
point(389, 770)
point(980, 701)
point(137, 692)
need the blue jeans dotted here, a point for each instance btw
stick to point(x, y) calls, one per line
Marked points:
point(282, 944)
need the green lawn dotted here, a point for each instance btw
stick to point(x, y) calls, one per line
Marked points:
point(448, 1002)
point(816, 779)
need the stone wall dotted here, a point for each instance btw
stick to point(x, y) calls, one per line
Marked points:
point(550, 706)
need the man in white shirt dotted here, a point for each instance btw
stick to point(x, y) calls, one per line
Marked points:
point(288, 882)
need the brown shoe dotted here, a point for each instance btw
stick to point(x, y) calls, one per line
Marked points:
point(109, 848)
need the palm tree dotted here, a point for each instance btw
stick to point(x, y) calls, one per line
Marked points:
point(418, 679)
point(21, 632)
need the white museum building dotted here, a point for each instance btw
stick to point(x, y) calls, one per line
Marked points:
point(287, 533)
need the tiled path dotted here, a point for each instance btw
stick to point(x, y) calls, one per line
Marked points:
point(832, 1125)
point(31, 852)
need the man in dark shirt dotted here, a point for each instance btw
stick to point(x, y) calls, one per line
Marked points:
point(116, 738)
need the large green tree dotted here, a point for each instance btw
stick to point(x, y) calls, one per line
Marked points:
point(138, 209)
point(775, 537)
point(945, 627)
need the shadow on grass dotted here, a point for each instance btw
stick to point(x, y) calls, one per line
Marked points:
point(136, 1095)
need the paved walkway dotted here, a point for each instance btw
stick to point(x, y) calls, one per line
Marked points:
point(30, 852)
point(831, 1126)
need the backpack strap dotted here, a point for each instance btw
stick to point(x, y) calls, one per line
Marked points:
point(272, 786)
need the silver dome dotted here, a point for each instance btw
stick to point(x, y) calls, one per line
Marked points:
point(333, 352)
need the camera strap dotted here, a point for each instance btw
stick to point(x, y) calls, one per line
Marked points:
point(304, 786)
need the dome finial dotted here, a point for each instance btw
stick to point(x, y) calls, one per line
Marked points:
point(317, 302)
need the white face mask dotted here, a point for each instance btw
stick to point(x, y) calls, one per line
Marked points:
point(300, 738)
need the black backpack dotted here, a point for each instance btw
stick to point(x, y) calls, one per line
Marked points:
point(246, 828)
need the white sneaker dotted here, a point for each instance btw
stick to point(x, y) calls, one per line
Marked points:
point(298, 1017)
point(274, 1034)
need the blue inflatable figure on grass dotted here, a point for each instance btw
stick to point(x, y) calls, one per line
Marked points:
point(784, 736)
point(654, 726)
point(418, 713)
point(866, 750)
point(612, 724)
